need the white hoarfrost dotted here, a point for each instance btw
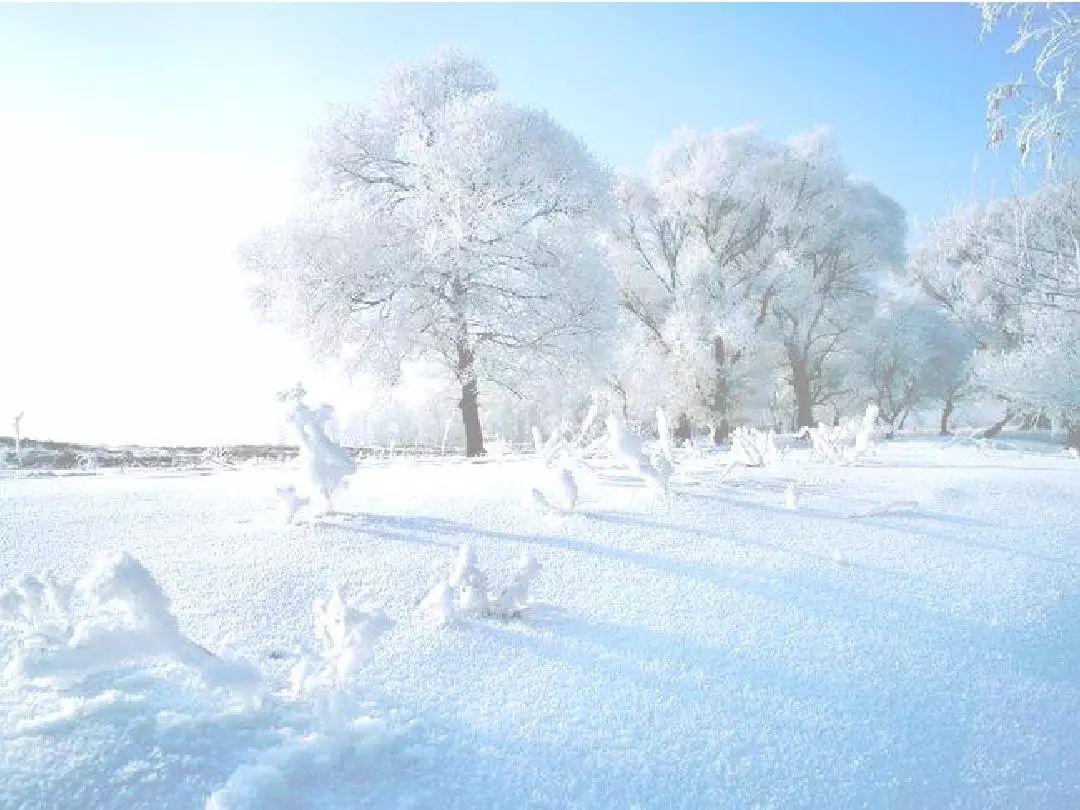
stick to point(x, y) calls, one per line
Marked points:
point(555, 488)
point(515, 597)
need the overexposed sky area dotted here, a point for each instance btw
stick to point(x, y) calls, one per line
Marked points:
point(140, 145)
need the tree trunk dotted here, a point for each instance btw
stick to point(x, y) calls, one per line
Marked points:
point(470, 415)
point(684, 431)
point(804, 409)
point(946, 414)
point(470, 408)
point(721, 432)
point(1072, 434)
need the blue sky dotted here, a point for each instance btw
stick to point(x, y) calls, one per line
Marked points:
point(901, 85)
point(139, 144)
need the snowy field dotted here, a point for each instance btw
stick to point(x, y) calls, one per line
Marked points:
point(908, 636)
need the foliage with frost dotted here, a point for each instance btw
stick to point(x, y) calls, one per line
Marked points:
point(846, 442)
point(450, 226)
point(1007, 273)
point(741, 261)
point(1042, 112)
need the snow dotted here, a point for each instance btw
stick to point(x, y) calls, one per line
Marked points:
point(908, 636)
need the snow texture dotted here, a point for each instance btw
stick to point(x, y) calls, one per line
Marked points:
point(711, 650)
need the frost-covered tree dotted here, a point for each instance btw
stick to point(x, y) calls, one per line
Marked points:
point(834, 236)
point(908, 354)
point(739, 256)
point(686, 250)
point(1008, 273)
point(1040, 110)
point(445, 225)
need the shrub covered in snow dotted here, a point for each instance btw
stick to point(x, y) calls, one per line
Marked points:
point(848, 441)
point(116, 613)
point(325, 463)
point(555, 488)
point(464, 592)
point(345, 635)
point(628, 450)
point(753, 447)
point(291, 501)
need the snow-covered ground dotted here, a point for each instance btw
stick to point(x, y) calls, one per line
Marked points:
point(907, 636)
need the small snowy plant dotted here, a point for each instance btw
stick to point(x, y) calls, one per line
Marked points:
point(116, 613)
point(464, 591)
point(325, 462)
point(627, 450)
point(827, 442)
point(663, 430)
point(866, 431)
point(555, 488)
point(553, 485)
point(753, 448)
point(515, 597)
point(847, 442)
point(791, 497)
point(291, 501)
point(345, 635)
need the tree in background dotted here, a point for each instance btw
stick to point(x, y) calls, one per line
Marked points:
point(740, 258)
point(1008, 274)
point(445, 225)
point(686, 251)
point(834, 236)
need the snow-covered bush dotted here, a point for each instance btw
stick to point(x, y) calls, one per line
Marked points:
point(847, 442)
point(555, 488)
point(116, 613)
point(291, 501)
point(463, 593)
point(828, 442)
point(515, 597)
point(753, 447)
point(325, 462)
point(345, 635)
point(627, 450)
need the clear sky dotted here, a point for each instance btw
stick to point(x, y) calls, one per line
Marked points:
point(139, 145)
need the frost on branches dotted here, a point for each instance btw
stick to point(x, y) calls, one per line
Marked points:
point(116, 614)
point(464, 592)
point(326, 463)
